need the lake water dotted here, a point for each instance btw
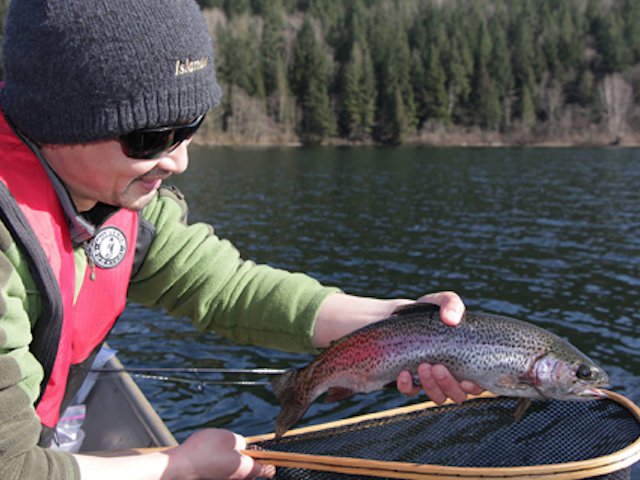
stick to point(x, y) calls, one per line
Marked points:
point(547, 235)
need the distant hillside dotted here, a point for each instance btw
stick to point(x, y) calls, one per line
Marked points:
point(421, 71)
point(445, 72)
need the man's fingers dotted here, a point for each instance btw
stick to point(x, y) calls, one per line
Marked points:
point(471, 388)
point(439, 384)
point(405, 384)
point(430, 385)
point(250, 469)
point(451, 306)
point(261, 470)
point(448, 384)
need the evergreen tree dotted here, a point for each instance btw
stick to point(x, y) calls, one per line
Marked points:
point(581, 91)
point(550, 40)
point(632, 28)
point(570, 46)
point(500, 71)
point(458, 64)
point(330, 13)
point(368, 93)
point(419, 44)
point(593, 14)
point(303, 57)
point(395, 107)
point(273, 59)
point(401, 63)
point(238, 62)
point(395, 131)
point(351, 115)
point(290, 6)
point(310, 81)
point(499, 61)
point(420, 87)
point(356, 22)
point(272, 46)
point(435, 81)
point(263, 7)
point(527, 109)
point(358, 95)
point(350, 56)
point(486, 101)
point(523, 62)
point(254, 69)
point(484, 46)
point(317, 120)
point(234, 8)
point(489, 112)
point(615, 55)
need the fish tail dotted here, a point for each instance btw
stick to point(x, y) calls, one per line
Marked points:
point(292, 408)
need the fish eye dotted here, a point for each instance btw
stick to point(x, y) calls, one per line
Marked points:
point(583, 372)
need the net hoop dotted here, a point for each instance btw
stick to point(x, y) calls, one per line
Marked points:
point(402, 470)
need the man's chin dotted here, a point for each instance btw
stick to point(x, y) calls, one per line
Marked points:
point(139, 202)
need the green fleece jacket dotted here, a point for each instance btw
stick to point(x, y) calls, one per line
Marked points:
point(189, 272)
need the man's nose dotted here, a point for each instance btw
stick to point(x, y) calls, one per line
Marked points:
point(175, 161)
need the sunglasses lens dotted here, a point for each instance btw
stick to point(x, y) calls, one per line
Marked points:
point(152, 142)
point(146, 145)
point(183, 134)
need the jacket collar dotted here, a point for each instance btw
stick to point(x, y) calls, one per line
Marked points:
point(82, 226)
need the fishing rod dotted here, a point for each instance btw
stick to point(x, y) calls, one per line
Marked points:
point(200, 383)
point(194, 370)
point(159, 373)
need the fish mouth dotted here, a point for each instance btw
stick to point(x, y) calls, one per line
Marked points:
point(594, 393)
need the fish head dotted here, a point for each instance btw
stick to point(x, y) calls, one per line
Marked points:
point(568, 374)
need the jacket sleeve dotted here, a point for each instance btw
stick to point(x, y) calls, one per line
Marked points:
point(189, 271)
point(20, 378)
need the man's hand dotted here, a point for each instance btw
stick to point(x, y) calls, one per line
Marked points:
point(214, 454)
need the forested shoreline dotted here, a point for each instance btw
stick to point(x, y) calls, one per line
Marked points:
point(435, 72)
point(449, 72)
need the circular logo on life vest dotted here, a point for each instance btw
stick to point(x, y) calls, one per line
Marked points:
point(109, 247)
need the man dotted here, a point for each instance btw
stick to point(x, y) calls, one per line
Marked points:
point(99, 103)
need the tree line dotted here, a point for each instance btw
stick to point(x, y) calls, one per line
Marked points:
point(385, 70)
point(392, 71)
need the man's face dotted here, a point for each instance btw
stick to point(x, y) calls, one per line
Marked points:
point(101, 172)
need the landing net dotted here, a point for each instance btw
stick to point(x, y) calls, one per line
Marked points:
point(478, 439)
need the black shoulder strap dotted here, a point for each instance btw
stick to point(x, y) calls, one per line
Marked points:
point(46, 333)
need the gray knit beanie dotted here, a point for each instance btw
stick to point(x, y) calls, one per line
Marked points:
point(77, 71)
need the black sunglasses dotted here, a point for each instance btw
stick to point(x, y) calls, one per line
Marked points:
point(148, 143)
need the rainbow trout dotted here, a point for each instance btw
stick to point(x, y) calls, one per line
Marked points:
point(502, 355)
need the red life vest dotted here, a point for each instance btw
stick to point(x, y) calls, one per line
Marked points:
point(87, 319)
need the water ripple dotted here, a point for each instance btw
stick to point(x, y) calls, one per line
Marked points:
point(548, 235)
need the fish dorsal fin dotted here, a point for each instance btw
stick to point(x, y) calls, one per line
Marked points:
point(417, 307)
point(338, 341)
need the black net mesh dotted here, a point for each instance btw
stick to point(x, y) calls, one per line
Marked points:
point(478, 433)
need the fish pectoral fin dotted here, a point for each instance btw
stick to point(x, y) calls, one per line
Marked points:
point(416, 307)
point(521, 408)
point(512, 383)
point(335, 394)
